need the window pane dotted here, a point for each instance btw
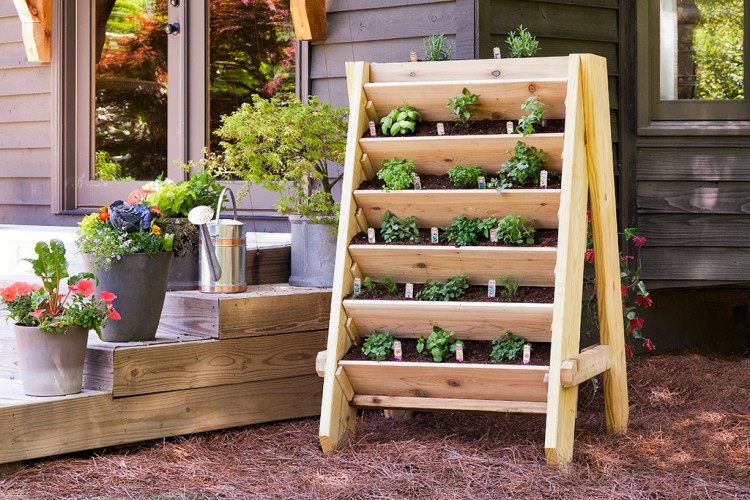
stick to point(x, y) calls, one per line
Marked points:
point(131, 89)
point(251, 51)
point(701, 52)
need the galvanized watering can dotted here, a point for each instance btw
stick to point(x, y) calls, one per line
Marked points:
point(222, 251)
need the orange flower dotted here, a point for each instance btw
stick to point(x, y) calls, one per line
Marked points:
point(9, 293)
point(103, 217)
point(155, 230)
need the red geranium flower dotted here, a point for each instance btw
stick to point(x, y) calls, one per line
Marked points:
point(107, 297)
point(9, 293)
point(113, 314)
point(85, 287)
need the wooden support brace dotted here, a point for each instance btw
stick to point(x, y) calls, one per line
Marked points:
point(352, 331)
point(361, 220)
point(372, 114)
point(320, 363)
point(367, 166)
point(36, 28)
point(356, 272)
point(343, 382)
point(581, 367)
point(309, 19)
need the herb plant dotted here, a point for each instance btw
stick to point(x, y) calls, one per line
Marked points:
point(534, 116)
point(508, 347)
point(436, 48)
point(448, 289)
point(176, 200)
point(394, 229)
point(377, 288)
point(514, 230)
point(463, 177)
point(522, 45)
point(522, 169)
point(462, 105)
point(401, 120)
point(464, 231)
point(378, 345)
point(440, 344)
point(369, 285)
point(388, 283)
point(510, 286)
point(397, 174)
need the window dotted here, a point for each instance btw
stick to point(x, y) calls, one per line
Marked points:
point(692, 59)
point(135, 101)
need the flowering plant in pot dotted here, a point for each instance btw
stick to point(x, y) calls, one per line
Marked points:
point(132, 251)
point(52, 323)
point(287, 145)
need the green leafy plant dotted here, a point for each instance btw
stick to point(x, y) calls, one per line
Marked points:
point(448, 289)
point(462, 105)
point(440, 344)
point(389, 284)
point(507, 348)
point(523, 44)
point(176, 200)
point(436, 48)
point(464, 231)
point(487, 225)
point(108, 169)
point(462, 176)
point(401, 120)
point(376, 288)
point(285, 145)
point(394, 229)
point(514, 230)
point(397, 174)
point(378, 345)
point(522, 169)
point(50, 307)
point(369, 285)
point(510, 286)
point(534, 116)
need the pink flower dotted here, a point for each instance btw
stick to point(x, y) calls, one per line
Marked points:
point(37, 314)
point(113, 314)
point(8, 294)
point(624, 290)
point(643, 301)
point(107, 297)
point(635, 324)
point(137, 196)
point(639, 241)
point(629, 350)
point(649, 345)
point(85, 287)
point(589, 255)
point(626, 258)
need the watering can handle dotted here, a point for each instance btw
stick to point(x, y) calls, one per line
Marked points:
point(221, 201)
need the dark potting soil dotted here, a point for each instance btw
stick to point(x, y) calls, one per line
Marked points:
point(475, 351)
point(542, 238)
point(477, 127)
point(475, 293)
point(443, 182)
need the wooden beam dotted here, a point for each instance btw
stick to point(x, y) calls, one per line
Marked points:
point(309, 19)
point(320, 363)
point(448, 404)
point(36, 28)
point(581, 367)
point(344, 384)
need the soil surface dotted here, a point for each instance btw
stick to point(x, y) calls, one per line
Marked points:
point(689, 438)
point(475, 351)
point(542, 238)
point(475, 293)
point(443, 182)
point(477, 127)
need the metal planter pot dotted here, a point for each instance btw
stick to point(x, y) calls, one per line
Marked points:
point(51, 364)
point(313, 253)
point(140, 283)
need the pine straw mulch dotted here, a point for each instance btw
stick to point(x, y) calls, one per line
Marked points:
point(689, 438)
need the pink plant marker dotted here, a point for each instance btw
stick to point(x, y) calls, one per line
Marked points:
point(413, 56)
point(370, 235)
point(434, 238)
point(459, 353)
point(410, 290)
point(509, 127)
point(482, 183)
point(417, 183)
point(440, 128)
point(491, 288)
point(496, 53)
point(543, 179)
point(373, 131)
point(493, 236)
point(526, 353)
point(397, 350)
point(357, 286)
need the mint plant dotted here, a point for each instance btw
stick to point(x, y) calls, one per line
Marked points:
point(394, 229)
point(440, 344)
point(369, 285)
point(510, 286)
point(508, 347)
point(522, 169)
point(534, 110)
point(378, 288)
point(462, 105)
point(388, 283)
point(464, 177)
point(523, 44)
point(378, 345)
point(448, 289)
point(436, 48)
point(514, 230)
point(401, 120)
point(397, 174)
point(464, 231)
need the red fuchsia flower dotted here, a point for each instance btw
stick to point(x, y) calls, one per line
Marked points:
point(137, 196)
point(589, 256)
point(635, 324)
point(85, 287)
point(629, 350)
point(649, 345)
point(107, 297)
point(37, 314)
point(624, 290)
point(113, 314)
point(588, 215)
point(626, 258)
point(639, 241)
point(643, 301)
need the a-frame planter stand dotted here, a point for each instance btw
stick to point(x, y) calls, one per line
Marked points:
point(573, 88)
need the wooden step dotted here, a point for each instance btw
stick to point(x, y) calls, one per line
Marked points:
point(436, 155)
point(405, 263)
point(471, 320)
point(521, 383)
point(497, 100)
point(261, 310)
point(448, 404)
point(439, 207)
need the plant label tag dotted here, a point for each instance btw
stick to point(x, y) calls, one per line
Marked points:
point(491, 289)
point(370, 235)
point(526, 353)
point(397, 350)
point(440, 128)
point(459, 353)
point(434, 238)
point(496, 53)
point(543, 179)
point(509, 127)
point(357, 286)
point(413, 56)
point(373, 131)
point(482, 183)
point(493, 236)
point(417, 183)
point(410, 290)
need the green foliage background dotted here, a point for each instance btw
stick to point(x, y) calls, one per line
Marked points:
point(718, 50)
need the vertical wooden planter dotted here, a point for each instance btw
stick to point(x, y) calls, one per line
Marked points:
point(573, 88)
